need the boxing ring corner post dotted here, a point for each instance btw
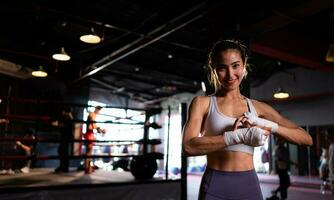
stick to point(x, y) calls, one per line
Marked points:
point(184, 161)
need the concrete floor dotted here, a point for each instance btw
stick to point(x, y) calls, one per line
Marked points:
point(298, 191)
point(303, 188)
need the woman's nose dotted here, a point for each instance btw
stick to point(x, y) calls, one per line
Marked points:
point(229, 73)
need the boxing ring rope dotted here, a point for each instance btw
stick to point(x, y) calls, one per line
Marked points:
point(48, 119)
point(62, 103)
point(40, 118)
point(7, 139)
point(49, 157)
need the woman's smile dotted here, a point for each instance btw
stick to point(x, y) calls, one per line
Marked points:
point(231, 81)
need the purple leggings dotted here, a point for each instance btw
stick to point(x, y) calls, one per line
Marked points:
point(225, 185)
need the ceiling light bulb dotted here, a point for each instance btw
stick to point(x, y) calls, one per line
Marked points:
point(39, 73)
point(62, 56)
point(91, 38)
point(281, 94)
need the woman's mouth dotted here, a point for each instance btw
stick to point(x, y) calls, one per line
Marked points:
point(230, 81)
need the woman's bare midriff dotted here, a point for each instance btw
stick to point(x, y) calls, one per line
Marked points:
point(230, 161)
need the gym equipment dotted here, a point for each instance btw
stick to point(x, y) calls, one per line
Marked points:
point(143, 167)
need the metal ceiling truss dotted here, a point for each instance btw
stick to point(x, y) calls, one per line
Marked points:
point(140, 43)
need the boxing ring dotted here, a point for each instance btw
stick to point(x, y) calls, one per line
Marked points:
point(141, 182)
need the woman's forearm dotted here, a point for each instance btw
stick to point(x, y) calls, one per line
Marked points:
point(203, 145)
point(295, 135)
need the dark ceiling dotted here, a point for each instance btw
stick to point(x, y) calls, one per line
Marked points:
point(154, 49)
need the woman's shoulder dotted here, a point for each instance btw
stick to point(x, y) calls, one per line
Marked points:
point(263, 108)
point(256, 103)
point(201, 101)
point(202, 97)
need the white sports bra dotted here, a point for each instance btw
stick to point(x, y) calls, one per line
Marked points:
point(216, 123)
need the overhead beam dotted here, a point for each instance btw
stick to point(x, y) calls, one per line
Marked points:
point(104, 84)
point(289, 57)
point(129, 49)
point(159, 81)
point(120, 89)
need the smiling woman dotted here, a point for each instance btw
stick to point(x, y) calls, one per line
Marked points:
point(223, 74)
point(226, 127)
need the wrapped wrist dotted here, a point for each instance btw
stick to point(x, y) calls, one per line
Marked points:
point(269, 124)
point(274, 127)
point(255, 120)
point(251, 136)
point(230, 139)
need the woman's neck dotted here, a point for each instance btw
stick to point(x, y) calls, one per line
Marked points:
point(230, 94)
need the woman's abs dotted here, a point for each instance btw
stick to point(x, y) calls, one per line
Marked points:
point(230, 161)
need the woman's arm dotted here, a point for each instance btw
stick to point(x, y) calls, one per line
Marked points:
point(286, 128)
point(193, 144)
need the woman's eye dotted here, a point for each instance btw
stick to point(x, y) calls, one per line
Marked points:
point(220, 68)
point(236, 66)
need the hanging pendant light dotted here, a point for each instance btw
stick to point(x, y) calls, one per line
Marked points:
point(91, 38)
point(61, 56)
point(281, 94)
point(40, 72)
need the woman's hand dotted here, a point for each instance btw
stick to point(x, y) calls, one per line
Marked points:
point(243, 122)
point(263, 123)
point(246, 133)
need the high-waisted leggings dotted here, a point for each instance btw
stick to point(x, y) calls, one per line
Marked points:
point(226, 185)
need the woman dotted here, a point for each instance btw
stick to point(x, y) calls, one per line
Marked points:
point(227, 126)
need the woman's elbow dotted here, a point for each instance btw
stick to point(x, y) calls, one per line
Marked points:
point(187, 151)
point(309, 141)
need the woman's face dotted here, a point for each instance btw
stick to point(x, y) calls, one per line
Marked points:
point(229, 68)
